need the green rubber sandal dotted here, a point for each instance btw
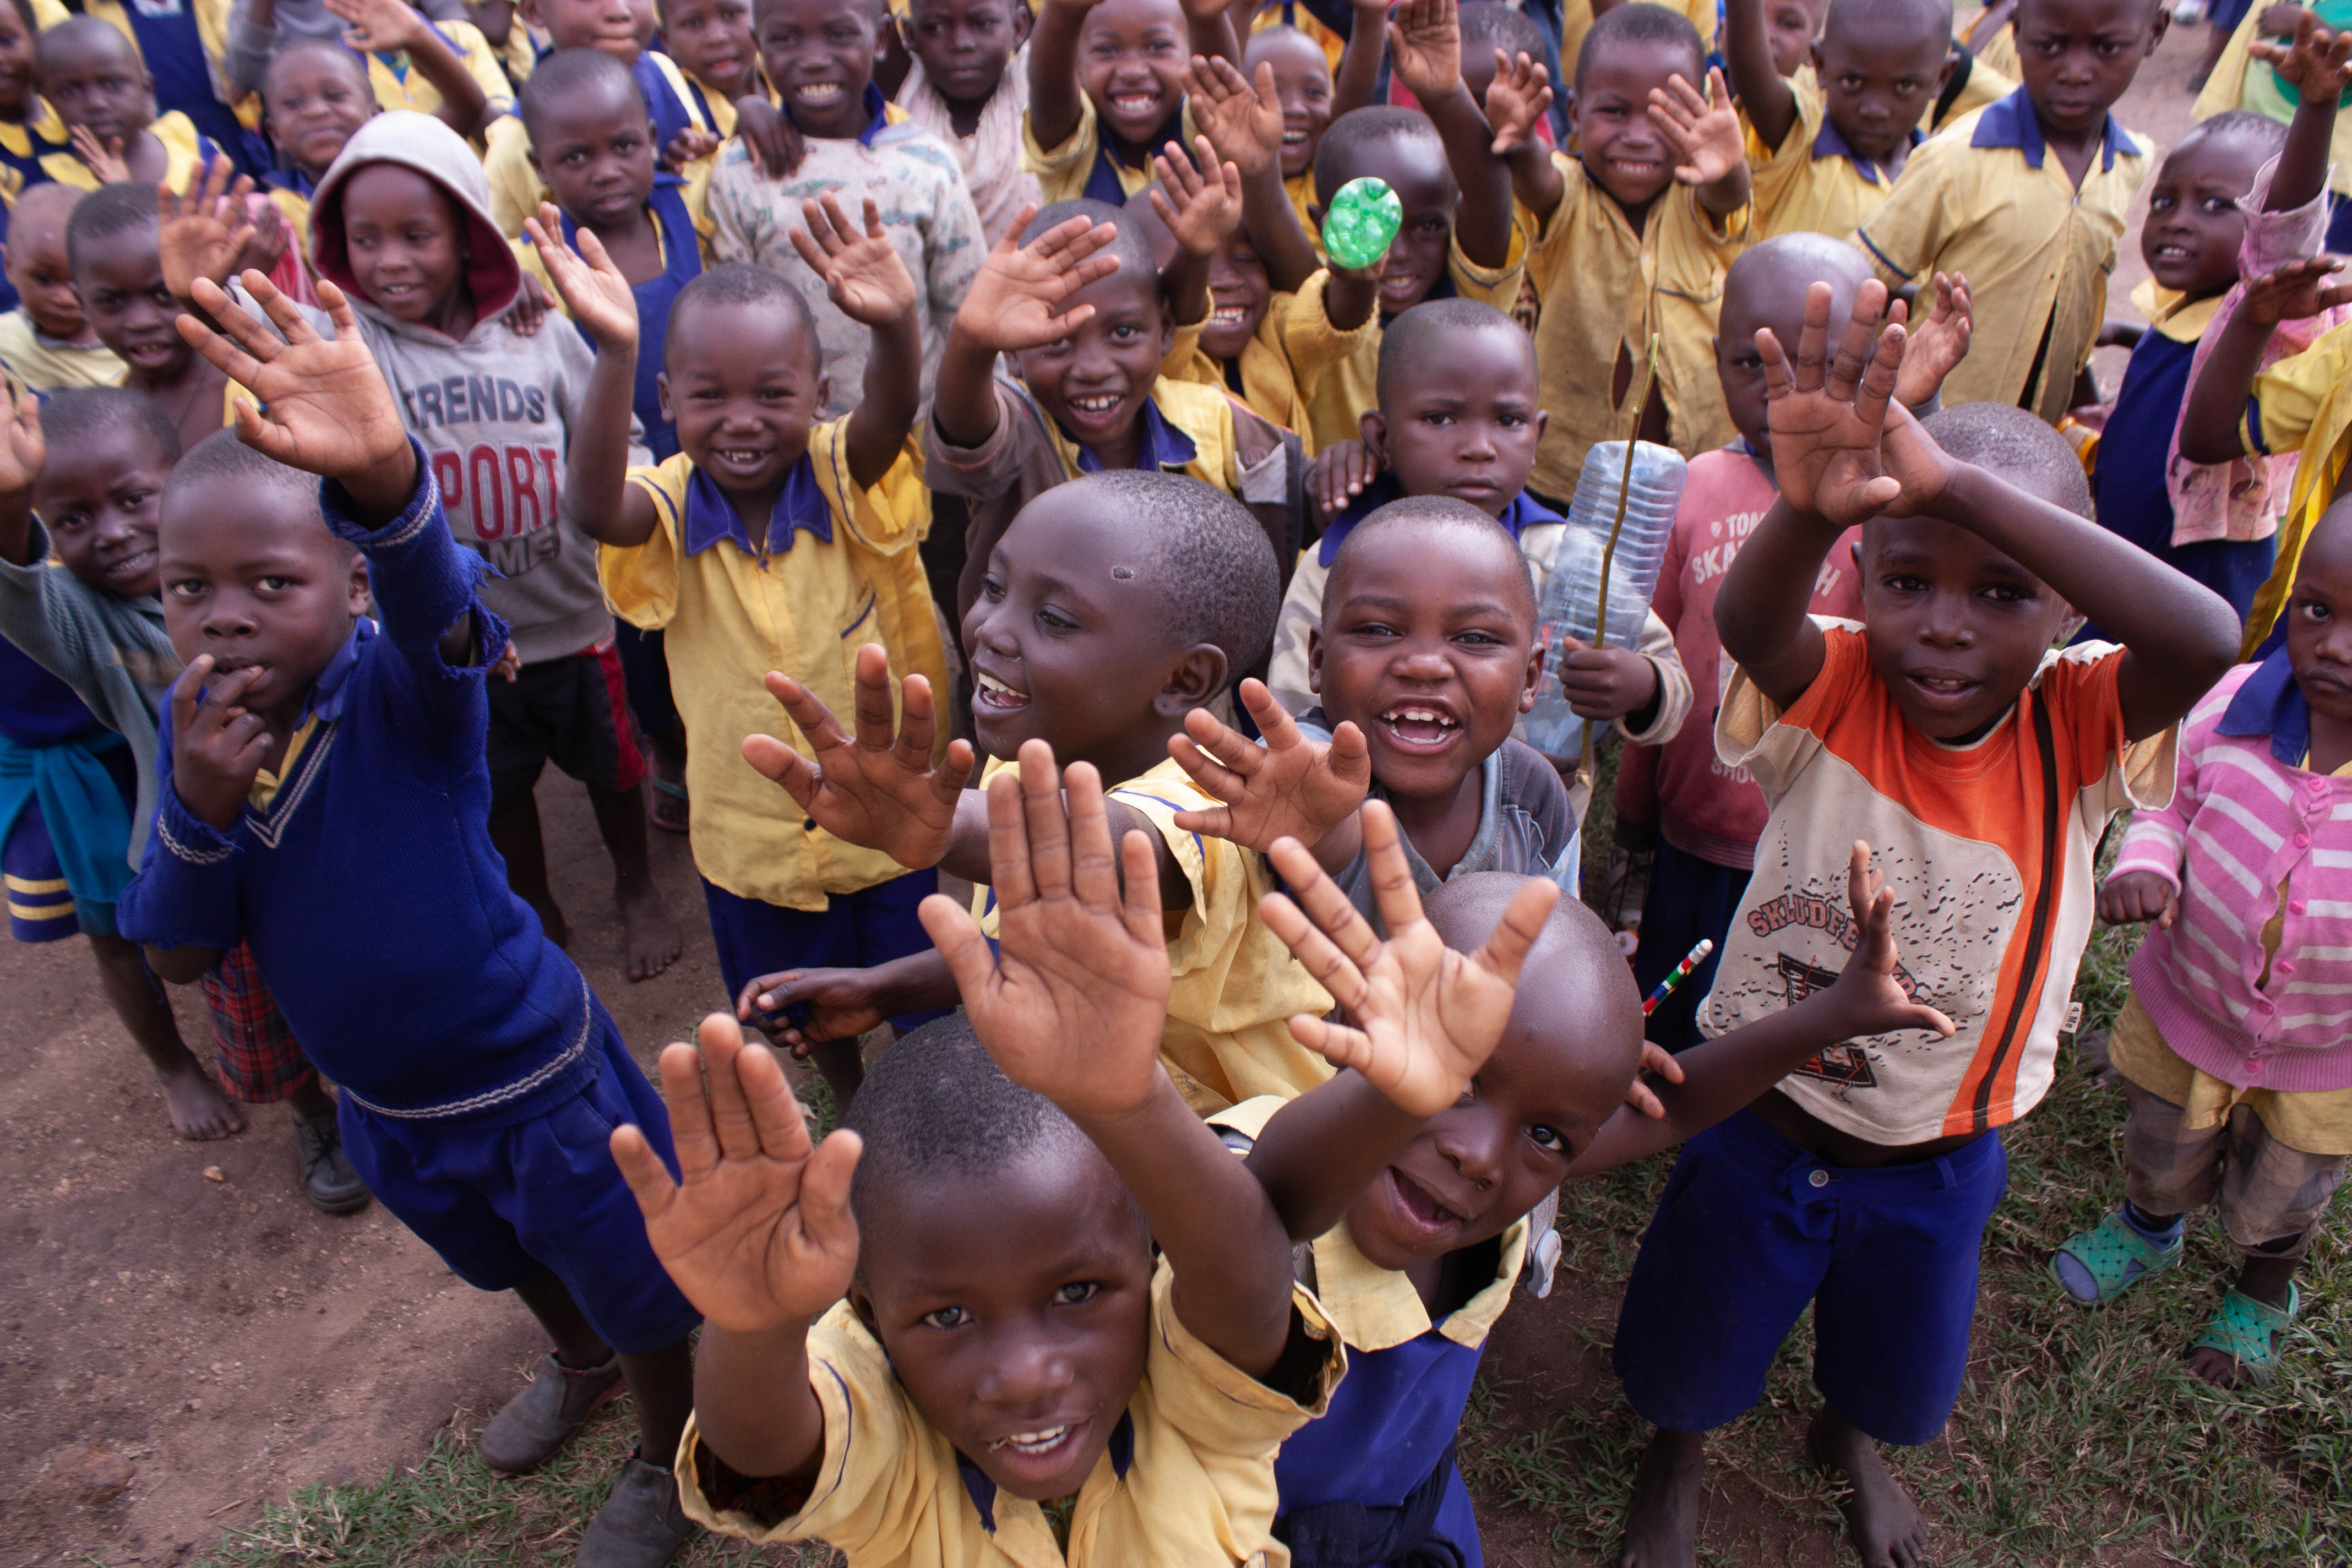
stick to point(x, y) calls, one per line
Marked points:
point(2107, 1260)
point(2248, 1331)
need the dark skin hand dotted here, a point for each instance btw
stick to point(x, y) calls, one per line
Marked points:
point(2210, 415)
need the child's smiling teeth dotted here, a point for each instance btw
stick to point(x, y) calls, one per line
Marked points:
point(1033, 1442)
point(1412, 723)
point(818, 92)
point(1228, 315)
point(1135, 102)
point(1095, 404)
point(738, 457)
point(988, 689)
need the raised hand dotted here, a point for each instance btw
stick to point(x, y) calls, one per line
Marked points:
point(1011, 304)
point(216, 745)
point(833, 1003)
point(2295, 292)
point(599, 298)
point(878, 788)
point(1425, 47)
point(1201, 205)
point(2134, 897)
point(200, 233)
point(862, 272)
point(1703, 127)
point(1870, 1000)
point(1291, 788)
point(1072, 1001)
point(1827, 418)
point(1242, 123)
point(757, 1232)
point(378, 25)
point(1517, 102)
point(1934, 348)
point(23, 450)
point(1339, 474)
point(2317, 64)
point(104, 159)
point(1425, 1018)
point(324, 406)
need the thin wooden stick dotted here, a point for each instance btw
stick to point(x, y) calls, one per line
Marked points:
point(1617, 526)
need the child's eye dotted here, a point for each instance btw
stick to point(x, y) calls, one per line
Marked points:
point(185, 588)
point(1077, 1293)
point(275, 584)
point(1053, 621)
point(946, 1318)
point(1510, 421)
point(1902, 585)
point(1545, 1137)
point(2006, 594)
point(1436, 418)
point(992, 586)
point(132, 500)
point(69, 523)
point(1479, 639)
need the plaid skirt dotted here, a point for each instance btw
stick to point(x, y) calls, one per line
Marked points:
point(260, 1058)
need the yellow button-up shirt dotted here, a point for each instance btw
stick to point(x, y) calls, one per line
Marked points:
point(1811, 183)
point(804, 605)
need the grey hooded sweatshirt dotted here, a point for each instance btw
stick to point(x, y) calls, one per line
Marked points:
point(492, 410)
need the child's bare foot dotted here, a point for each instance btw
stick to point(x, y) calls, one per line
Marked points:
point(1879, 1514)
point(1661, 1525)
point(199, 1110)
point(646, 929)
point(2218, 1368)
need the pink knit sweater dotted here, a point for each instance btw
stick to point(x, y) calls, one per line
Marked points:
point(2242, 824)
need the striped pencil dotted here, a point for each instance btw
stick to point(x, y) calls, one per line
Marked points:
point(1691, 961)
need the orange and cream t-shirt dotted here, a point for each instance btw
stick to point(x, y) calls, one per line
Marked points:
point(1988, 848)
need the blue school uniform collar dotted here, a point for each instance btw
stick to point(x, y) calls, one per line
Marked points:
point(1831, 143)
point(2271, 703)
point(1524, 512)
point(982, 1491)
point(1161, 446)
point(710, 516)
point(877, 110)
point(289, 179)
point(2011, 122)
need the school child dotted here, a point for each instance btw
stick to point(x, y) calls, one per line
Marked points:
point(1107, 91)
point(708, 546)
point(710, 43)
point(857, 152)
point(1103, 668)
point(1822, 159)
point(1646, 216)
point(1491, 28)
point(1418, 1261)
point(117, 273)
point(2239, 1091)
point(1086, 347)
point(308, 754)
point(257, 29)
point(1982, 767)
point(1156, 1391)
point(82, 482)
point(592, 143)
point(1303, 88)
point(91, 73)
point(2249, 73)
point(495, 412)
point(2026, 199)
point(1458, 235)
point(175, 52)
point(29, 126)
point(318, 96)
point(447, 69)
point(46, 341)
point(1577, 16)
point(969, 87)
point(1698, 819)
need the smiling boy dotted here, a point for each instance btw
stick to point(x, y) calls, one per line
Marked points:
point(1107, 91)
point(317, 94)
point(111, 244)
point(46, 341)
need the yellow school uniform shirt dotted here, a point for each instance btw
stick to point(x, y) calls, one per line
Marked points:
point(1226, 1038)
point(295, 208)
point(1196, 1487)
point(1811, 183)
point(1271, 375)
point(1339, 372)
point(45, 364)
point(1062, 172)
point(804, 606)
point(265, 784)
point(1668, 279)
point(2303, 405)
point(398, 84)
point(1985, 199)
point(182, 156)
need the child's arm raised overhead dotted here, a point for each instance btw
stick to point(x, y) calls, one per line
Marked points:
point(1424, 1020)
point(597, 499)
point(758, 1233)
point(1291, 788)
point(1244, 124)
point(200, 233)
point(396, 27)
point(1202, 205)
point(865, 276)
point(1705, 129)
point(1054, 95)
point(1012, 307)
point(1212, 30)
point(1932, 348)
point(2319, 65)
point(1762, 91)
point(1517, 102)
point(1071, 1005)
point(1721, 1075)
point(1358, 76)
point(1425, 53)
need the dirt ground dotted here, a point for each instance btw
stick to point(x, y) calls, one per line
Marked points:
point(180, 1308)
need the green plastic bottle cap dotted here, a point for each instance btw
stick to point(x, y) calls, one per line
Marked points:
point(1362, 223)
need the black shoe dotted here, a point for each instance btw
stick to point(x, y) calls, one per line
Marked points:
point(556, 1404)
point(327, 1179)
point(641, 1525)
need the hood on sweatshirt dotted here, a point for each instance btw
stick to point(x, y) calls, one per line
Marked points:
point(421, 142)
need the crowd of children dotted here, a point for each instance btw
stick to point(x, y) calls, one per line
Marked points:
point(924, 446)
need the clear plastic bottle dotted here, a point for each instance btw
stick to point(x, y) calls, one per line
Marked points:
point(1571, 597)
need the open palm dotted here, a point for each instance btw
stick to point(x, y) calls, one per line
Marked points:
point(758, 1231)
point(593, 289)
point(24, 449)
point(1291, 788)
point(1425, 46)
point(1826, 417)
point(1242, 123)
point(324, 404)
point(862, 272)
point(1012, 302)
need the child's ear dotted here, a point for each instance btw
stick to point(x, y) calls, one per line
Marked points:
point(529, 11)
point(661, 391)
point(1315, 660)
point(1529, 686)
point(862, 1305)
point(1854, 550)
point(1814, 55)
point(1167, 328)
point(1543, 421)
point(1373, 425)
point(1198, 676)
point(1022, 22)
point(360, 600)
point(824, 390)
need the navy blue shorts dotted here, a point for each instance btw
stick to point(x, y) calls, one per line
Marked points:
point(504, 1204)
point(853, 930)
point(1752, 1228)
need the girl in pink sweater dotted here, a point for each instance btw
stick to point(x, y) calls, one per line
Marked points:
point(2235, 1046)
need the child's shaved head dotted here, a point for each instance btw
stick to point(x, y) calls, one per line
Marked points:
point(2017, 446)
point(1218, 580)
point(1454, 528)
point(1924, 18)
point(220, 458)
point(109, 211)
point(1575, 986)
point(1132, 246)
point(74, 413)
point(1415, 339)
point(1641, 23)
point(1352, 146)
point(575, 79)
point(739, 283)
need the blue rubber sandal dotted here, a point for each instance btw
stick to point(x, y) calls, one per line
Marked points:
point(2107, 1260)
point(2248, 1331)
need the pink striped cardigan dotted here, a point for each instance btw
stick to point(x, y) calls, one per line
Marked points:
point(2241, 823)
